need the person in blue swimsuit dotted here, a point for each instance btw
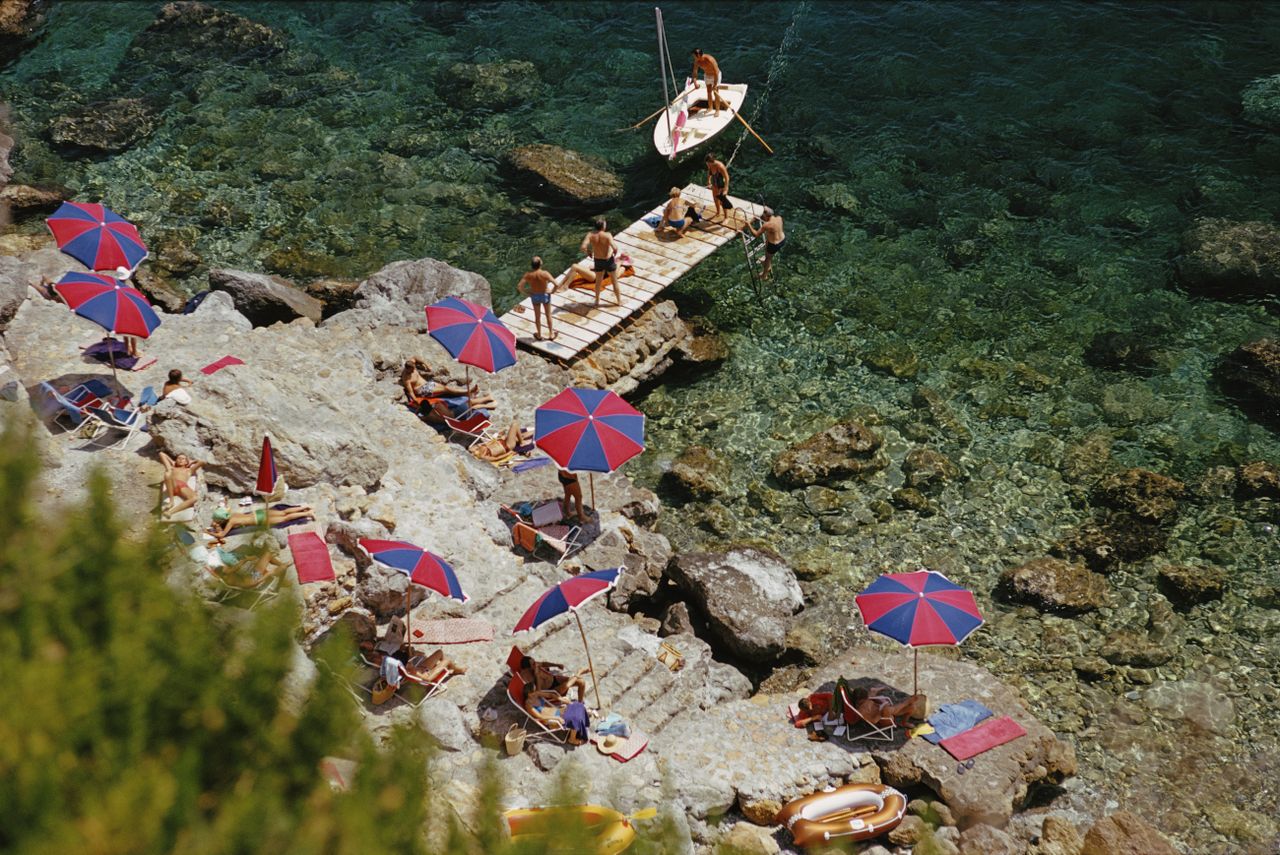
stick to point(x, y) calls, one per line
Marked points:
point(676, 215)
point(539, 285)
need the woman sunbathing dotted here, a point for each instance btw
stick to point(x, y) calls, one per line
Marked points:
point(433, 668)
point(876, 707)
point(243, 568)
point(517, 440)
point(259, 517)
point(177, 475)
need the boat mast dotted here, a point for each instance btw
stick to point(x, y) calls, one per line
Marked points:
point(663, 63)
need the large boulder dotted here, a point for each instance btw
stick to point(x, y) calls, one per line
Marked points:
point(265, 299)
point(1147, 495)
point(1230, 259)
point(566, 175)
point(14, 278)
point(23, 199)
point(1123, 833)
point(1250, 375)
point(109, 126)
point(490, 86)
point(1053, 585)
point(1261, 102)
point(841, 451)
point(396, 294)
point(747, 595)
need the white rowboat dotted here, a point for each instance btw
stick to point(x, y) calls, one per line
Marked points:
point(673, 136)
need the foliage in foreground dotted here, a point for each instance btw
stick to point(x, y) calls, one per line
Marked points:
point(138, 719)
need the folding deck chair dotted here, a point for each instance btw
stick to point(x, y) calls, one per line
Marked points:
point(103, 423)
point(475, 427)
point(73, 405)
point(517, 689)
point(562, 540)
point(408, 679)
point(859, 727)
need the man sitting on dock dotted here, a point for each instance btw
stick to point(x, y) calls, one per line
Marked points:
point(710, 75)
point(540, 286)
point(603, 250)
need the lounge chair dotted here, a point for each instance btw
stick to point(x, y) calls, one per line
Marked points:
point(561, 540)
point(475, 427)
point(265, 589)
point(859, 726)
point(408, 679)
point(103, 423)
point(72, 407)
point(517, 688)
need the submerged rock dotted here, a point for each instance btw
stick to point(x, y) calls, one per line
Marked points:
point(1120, 351)
point(1053, 585)
point(699, 472)
point(926, 468)
point(1261, 102)
point(843, 450)
point(1250, 375)
point(1123, 833)
point(110, 126)
point(23, 199)
point(1258, 479)
point(265, 299)
point(20, 23)
point(490, 86)
point(1111, 538)
point(568, 175)
point(1230, 259)
point(747, 595)
point(1188, 586)
point(1147, 495)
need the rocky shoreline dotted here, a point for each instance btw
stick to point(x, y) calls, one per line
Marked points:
point(309, 385)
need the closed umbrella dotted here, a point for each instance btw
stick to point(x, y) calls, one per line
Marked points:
point(96, 236)
point(919, 609)
point(589, 430)
point(569, 596)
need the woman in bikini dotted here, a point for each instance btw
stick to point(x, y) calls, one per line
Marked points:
point(676, 216)
point(517, 440)
point(259, 517)
point(177, 475)
point(572, 493)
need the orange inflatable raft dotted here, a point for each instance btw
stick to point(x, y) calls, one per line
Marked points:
point(851, 812)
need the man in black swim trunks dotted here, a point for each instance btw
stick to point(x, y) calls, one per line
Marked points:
point(602, 248)
point(718, 184)
point(774, 238)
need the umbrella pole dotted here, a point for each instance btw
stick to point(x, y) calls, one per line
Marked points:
point(408, 619)
point(592, 478)
point(591, 667)
point(915, 672)
point(467, 369)
point(111, 354)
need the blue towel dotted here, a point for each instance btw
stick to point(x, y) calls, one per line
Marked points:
point(653, 221)
point(953, 719)
point(532, 463)
point(577, 720)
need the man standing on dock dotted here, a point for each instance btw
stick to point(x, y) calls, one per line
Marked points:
point(710, 75)
point(774, 238)
point(603, 250)
point(539, 285)
point(718, 184)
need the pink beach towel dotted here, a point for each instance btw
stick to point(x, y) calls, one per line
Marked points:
point(222, 363)
point(634, 744)
point(310, 557)
point(983, 737)
point(451, 631)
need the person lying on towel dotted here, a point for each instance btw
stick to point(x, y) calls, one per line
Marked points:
point(224, 521)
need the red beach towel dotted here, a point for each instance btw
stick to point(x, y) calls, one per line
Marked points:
point(222, 363)
point(310, 557)
point(984, 737)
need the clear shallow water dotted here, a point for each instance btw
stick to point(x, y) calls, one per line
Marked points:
point(978, 187)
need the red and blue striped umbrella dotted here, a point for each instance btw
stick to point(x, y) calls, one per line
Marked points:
point(472, 334)
point(96, 236)
point(589, 430)
point(919, 609)
point(568, 596)
point(422, 567)
point(267, 474)
point(109, 303)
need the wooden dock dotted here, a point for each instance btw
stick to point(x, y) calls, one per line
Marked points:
point(659, 261)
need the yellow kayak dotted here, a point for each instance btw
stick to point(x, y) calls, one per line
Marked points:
point(610, 831)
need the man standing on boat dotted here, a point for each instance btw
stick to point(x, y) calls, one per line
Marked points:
point(710, 75)
point(603, 250)
point(718, 184)
point(774, 238)
point(540, 286)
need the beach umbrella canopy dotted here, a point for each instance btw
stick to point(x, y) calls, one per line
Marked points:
point(109, 303)
point(472, 334)
point(589, 430)
point(422, 567)
point(919, 609)
point(569, 596)
point(96, 236)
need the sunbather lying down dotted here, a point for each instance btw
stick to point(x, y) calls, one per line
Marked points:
point(516, 440)
point(550, 677)
point(242, 568)
point(875, 706)
point(457, 399)
point(224, 521)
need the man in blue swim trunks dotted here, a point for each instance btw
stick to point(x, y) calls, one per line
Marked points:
point(539, 285)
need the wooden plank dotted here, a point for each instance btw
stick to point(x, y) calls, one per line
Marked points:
point(703, 195)
point(688, 252)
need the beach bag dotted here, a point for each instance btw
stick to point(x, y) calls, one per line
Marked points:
point(514, 740)
point(669, 656)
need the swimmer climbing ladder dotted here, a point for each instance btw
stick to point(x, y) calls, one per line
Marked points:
point(660, 260)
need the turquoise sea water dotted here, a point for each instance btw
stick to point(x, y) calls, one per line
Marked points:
point(975, 188)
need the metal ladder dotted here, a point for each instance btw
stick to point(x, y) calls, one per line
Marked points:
point(753, 249)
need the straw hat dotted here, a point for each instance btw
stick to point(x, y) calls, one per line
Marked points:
point(609, 743)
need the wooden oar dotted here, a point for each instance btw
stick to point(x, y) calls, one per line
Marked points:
point(641, 122)
point(753, 132)
point(850, 813)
